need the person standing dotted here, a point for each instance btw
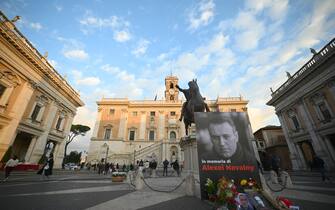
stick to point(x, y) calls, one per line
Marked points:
point(175, 166)
point(165, 164)
point(320, 166)
point(10, 165)
point(46, 170)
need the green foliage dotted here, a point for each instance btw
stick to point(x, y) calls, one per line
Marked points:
point(73, 157)
point(7, 155)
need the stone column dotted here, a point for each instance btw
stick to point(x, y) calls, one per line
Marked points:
point(38, 150)
point(30, 149)
point(142, 125)
point(97, 123)
point(8, 133)
point(293, 152)
point(161, 125)
point(60, 146)
point(331, 152)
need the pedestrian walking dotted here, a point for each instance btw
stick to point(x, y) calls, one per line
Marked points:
point(165, 164)
point(10, 165)
point(319, 164)
point(46, 170)
point(175, 166)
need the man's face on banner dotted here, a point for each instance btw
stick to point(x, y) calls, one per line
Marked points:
point(224, 138)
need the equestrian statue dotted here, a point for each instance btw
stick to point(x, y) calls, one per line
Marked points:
point(194, 103)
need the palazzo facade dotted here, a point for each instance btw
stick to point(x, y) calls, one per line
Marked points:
point(305, 106)
point(37, 105)
point(130, 130)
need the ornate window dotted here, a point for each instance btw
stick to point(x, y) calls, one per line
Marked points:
point(294, 119)
point(151, 135)
point(173, 113)
point(131, 135)
point(60, 121)
point(2, 90)
point(152, 114)
point(173, 135)
point(38, 110)
point(321, 106)
point(108, 132)
point(35, 112)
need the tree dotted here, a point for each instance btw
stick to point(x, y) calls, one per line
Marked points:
point(73, 157)
point(76, 130)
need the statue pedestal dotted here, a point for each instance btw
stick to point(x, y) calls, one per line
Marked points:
point(191, 166)
point(189, 146)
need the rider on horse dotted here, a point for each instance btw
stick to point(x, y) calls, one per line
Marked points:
point(187, 94)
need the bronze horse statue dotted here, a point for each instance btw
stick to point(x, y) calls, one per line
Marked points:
point(194, 103)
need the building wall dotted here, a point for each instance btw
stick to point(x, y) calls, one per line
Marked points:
point(309, 96)
point(163, 123)
point(31, 83)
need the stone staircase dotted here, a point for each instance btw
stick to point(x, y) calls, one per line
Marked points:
point(147, 152)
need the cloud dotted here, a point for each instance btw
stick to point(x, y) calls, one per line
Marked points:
point(118, 25)
point(249, 31)
point(36, 26)
point(141, 48)
point(112, 22)
point(201, 15)
point(59, 8)
point(76, 54)
point(121, 36)
point(275, 9)
point(89, 81)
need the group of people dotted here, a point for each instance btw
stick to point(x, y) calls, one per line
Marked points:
point(45, 170)
point(174, 165)
point(106, 168)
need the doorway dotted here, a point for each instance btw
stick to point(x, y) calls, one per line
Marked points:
point(21, 145)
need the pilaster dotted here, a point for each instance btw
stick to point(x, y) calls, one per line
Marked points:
point(97, 123)
point(8, 133)
point(42, 140)
point(296, 160)
point(142, 125)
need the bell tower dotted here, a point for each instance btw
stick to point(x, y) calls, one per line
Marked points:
point(171, 91)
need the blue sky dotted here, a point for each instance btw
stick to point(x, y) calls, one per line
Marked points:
point(126, 48)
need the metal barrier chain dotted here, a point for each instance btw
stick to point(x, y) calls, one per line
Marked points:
point(167, 191)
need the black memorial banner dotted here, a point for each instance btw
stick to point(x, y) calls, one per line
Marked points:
point(225, 148)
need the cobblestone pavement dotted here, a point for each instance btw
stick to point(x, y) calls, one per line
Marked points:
point(88, 190)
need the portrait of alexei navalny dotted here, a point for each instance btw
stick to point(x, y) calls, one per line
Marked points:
point(224, 147)
point(224, 136)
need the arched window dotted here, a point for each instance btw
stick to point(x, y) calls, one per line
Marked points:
point(173, 135)
point(171, 98)
point(171, 85)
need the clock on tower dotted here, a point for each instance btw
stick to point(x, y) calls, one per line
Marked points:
point(171, 91)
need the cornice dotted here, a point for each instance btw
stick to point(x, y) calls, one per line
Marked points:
point(24, 47)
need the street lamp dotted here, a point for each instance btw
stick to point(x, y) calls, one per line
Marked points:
point(107, 148)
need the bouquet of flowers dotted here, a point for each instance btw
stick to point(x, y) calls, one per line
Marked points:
point(222, 193)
